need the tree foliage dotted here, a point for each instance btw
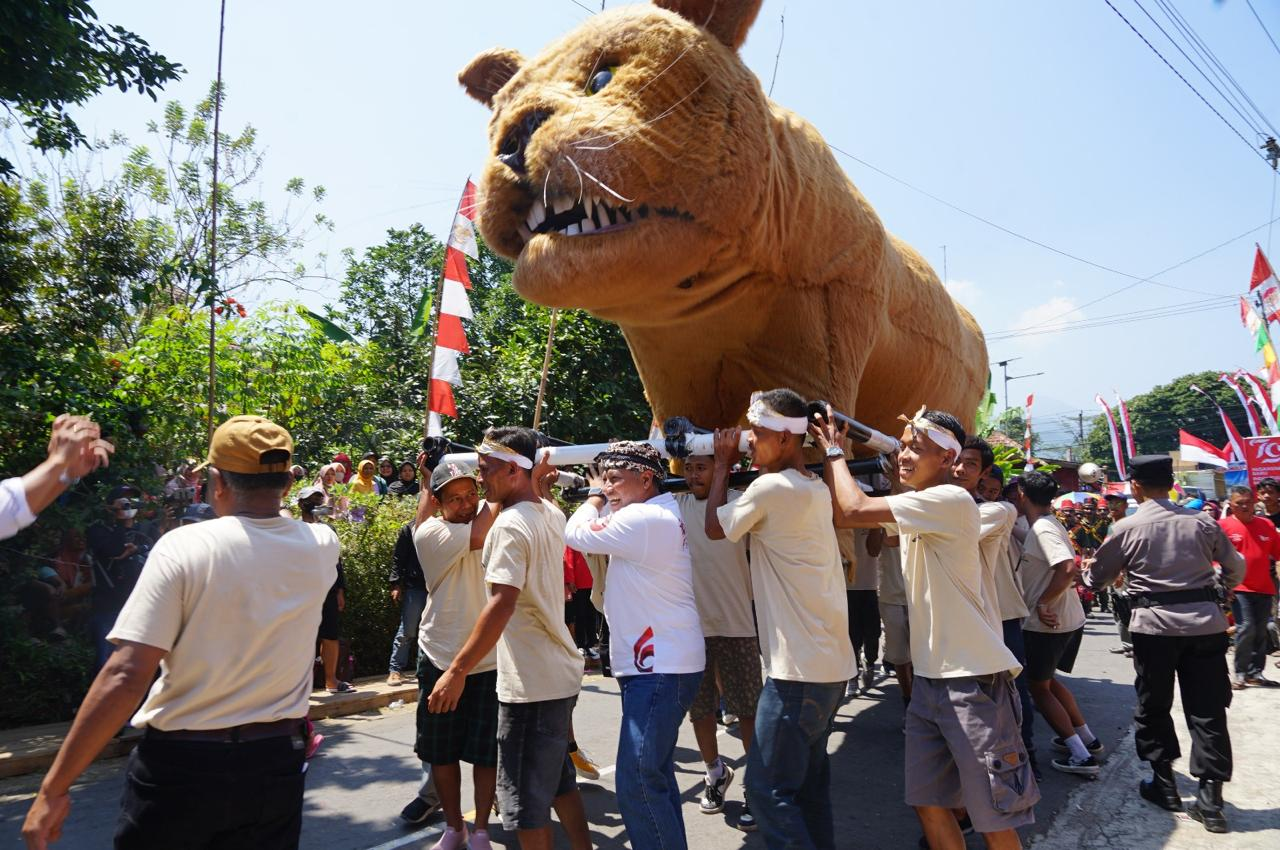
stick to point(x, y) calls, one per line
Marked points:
point(1157, 415)
point(54, 53)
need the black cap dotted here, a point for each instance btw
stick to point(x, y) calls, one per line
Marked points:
point(1147, 467)
point(198, 512)
point(447, 472)
point(1116, 497)
point(122, 491)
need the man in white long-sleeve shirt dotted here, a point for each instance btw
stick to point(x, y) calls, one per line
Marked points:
point(656, 644)
point(76, 448)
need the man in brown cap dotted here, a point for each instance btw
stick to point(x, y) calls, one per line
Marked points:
point(228, 611)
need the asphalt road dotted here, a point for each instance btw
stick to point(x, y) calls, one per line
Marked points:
point(366, 771)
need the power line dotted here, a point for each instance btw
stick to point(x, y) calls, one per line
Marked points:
point(1230, 102)
point(1154, 50)
point(1205, 52)
point(1266, 31)
point(1170, 311)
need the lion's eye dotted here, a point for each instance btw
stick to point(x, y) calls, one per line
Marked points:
point(599, 80)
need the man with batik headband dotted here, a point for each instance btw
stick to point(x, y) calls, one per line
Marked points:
point(656, 639)
point(963, 747)
point(798, 583)
point(539, 669)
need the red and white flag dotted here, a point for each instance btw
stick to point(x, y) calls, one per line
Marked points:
point(1249, 317)
point(1026, 436)
point(1261, 269)
point(451, 339)
point(1271, 302)
point(1116, 451)
point(1195, 450)
point(1262, 399)
point(1233, 436)
point(1255, 425)
point(1130, 449)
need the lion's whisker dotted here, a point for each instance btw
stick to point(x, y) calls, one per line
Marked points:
point(581, 186)
point(585, 147)
point(654, 79)
point(600, 182)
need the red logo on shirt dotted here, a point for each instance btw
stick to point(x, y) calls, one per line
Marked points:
point(599, 524)
point(642, 651)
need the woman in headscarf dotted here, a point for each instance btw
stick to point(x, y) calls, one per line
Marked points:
point(331, 474)
point(386, 473)
point(364, 482)
point(345, 460)
point(407, 483)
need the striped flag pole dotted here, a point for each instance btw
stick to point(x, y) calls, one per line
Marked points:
point(1255, 426)
point(1116, 451)
point(1026, 436)
point(1262, 399)
point(449, 340)
point(1130, 449)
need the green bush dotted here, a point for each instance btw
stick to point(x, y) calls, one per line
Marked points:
point(44, 681)
point(371, 618)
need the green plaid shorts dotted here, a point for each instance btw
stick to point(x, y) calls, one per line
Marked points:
point(468, 733)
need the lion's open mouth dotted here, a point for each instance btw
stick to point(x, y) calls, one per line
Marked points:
point(587, 216)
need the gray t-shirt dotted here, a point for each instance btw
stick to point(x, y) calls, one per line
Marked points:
point(1164, 547)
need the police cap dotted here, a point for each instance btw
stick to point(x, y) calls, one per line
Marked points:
point(1150, 467)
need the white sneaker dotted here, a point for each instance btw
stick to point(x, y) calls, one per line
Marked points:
point(851, 688)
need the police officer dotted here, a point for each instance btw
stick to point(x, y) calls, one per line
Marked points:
point(1178, 628)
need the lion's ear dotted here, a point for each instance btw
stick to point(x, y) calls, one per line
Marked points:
point(489, 72)
point(727, 20)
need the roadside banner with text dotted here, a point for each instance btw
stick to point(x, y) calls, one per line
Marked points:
point(1263, 457)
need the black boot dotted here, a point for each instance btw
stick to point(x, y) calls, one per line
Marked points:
point(1207, 806)
point(1161, 788)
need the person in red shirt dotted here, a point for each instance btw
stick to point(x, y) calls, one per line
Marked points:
point(1255, 538)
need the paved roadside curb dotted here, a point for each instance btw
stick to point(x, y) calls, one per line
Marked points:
point(1107, 814)
point(32, 749)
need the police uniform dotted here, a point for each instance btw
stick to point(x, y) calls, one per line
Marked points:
point(1178, 629)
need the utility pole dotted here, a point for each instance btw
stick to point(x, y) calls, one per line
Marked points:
point(1004, 365)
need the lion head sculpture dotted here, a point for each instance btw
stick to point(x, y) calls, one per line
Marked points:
point(637, 170)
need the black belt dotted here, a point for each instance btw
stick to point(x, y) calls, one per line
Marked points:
point(232, 734)
point(1151, 599)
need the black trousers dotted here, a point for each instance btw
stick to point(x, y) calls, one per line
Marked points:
point(1200, 665)
point(585, 619)
point(864, 626)
point(1123, 612)
point(201, 795)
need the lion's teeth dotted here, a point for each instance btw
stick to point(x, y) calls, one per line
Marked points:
point(562, 204)
point(572, 230)
point(588, 225)
point(537, 215)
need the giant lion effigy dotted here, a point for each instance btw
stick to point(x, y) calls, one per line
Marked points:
point(638, 170)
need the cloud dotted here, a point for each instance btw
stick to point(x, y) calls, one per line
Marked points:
point(965, 291)
point(1044, 319)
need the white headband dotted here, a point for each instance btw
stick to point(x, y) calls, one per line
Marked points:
point(940, 436)
point(502, 452)
point(761, 414)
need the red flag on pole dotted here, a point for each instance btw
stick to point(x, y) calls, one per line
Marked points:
point(452, 307)
point(1026, 437)
point(1116, 451)
point(1261, 269)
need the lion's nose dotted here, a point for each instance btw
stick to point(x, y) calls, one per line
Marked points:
point(513, 146)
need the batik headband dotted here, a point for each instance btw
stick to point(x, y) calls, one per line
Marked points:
point(493, 449)
point(940, 436)
point(764, 416)
point(635, 456)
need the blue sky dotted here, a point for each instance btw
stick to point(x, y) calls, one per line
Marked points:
point(1051, 119)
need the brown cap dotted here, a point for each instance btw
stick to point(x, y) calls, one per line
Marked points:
point(250, 445)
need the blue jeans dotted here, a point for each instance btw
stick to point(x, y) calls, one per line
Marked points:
point(412, 601)
point(1253, 611)
point(788, 773)
point(653, 707)
point(1015, 644)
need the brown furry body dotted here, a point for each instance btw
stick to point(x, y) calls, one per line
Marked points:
point(748, 260)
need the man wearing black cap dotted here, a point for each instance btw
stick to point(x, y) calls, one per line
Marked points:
point(1178, 629)
point(118, 549)
point(227, 610)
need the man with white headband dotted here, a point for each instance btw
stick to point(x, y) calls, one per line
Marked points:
point(963, 747)
point(656, 645)
point(539, 669)
point(798, 583)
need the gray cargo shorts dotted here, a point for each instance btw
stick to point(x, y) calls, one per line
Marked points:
point(964, 748)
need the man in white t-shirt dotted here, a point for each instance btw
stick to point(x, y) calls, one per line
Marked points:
point(803, 616)
point(448, 548)
point(656, 648)
point(1054, 627)
point(228, 610)
point(722, 589)
point(963, 749)
point(539, 668)
point(996, 547)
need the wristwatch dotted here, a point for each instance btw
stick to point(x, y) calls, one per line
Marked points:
point(595, 491)
point(834, 453)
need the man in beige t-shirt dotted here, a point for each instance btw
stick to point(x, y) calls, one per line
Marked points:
point(963, 748)
point(448, 548)
point(722, 592)
point(804, 623)
point(228, 610)
point(539, 669)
